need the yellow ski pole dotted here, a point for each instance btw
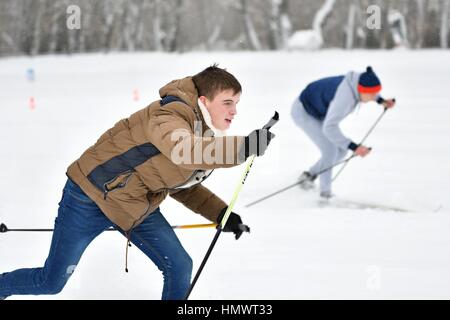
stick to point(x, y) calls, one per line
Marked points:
point(192, 226)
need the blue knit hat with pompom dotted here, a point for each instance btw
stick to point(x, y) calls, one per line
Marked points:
point(369, 82)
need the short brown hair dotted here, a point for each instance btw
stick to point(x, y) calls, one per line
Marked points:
point(213, 80)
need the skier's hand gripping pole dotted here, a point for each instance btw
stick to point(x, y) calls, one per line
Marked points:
point(390, 104)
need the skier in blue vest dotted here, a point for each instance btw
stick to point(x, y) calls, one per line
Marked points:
point(320, 108)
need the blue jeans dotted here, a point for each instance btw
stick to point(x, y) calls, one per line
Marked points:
point(79, 222)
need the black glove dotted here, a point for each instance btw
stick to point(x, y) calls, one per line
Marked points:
point(256, 143)
point(234, 224)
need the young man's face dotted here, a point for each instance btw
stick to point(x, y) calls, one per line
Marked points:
point(222, 108)
point(366, 97)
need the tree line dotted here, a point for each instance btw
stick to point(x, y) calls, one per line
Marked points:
point(31, 27)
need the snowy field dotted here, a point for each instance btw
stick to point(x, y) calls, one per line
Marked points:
point(296, 248)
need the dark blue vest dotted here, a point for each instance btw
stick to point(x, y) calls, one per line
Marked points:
point(317, 96)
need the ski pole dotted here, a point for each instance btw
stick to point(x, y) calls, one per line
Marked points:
point(298, 182)
point(192, 226)
point(4, 228)
point(362, 141)
point(222, 224)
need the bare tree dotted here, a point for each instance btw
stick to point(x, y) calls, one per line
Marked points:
point(129, 17)
point(56, 16)
point(70, 34)
point(158, 35)
point(385, 34)
point(444, 24)
point(10, 27)
point(350, 28)
point(173, 33)
point(285, 24)
point(37, 28)
point(420, 24)
point(312, 39)
point(214, 18)
point(86, 25)
point(250, 32)
point(322, 14)
point(274, 25)
point(397, 26)
point(280, 26)
point(143, 13)
point(112, 11)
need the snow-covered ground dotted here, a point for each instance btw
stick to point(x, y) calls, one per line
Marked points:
point(296, 249)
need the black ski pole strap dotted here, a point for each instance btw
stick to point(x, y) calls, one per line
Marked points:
point(3, 228)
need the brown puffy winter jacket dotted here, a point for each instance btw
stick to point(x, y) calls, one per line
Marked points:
point(129, 171)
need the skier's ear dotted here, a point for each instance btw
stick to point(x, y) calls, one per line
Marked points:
point(204, 100)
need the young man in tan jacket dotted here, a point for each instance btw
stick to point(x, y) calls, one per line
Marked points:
point(167, 148)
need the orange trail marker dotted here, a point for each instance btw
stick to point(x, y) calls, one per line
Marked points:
point(32, 103)
point(136, 95)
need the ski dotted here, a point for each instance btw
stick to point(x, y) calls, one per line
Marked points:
point(359, 205)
